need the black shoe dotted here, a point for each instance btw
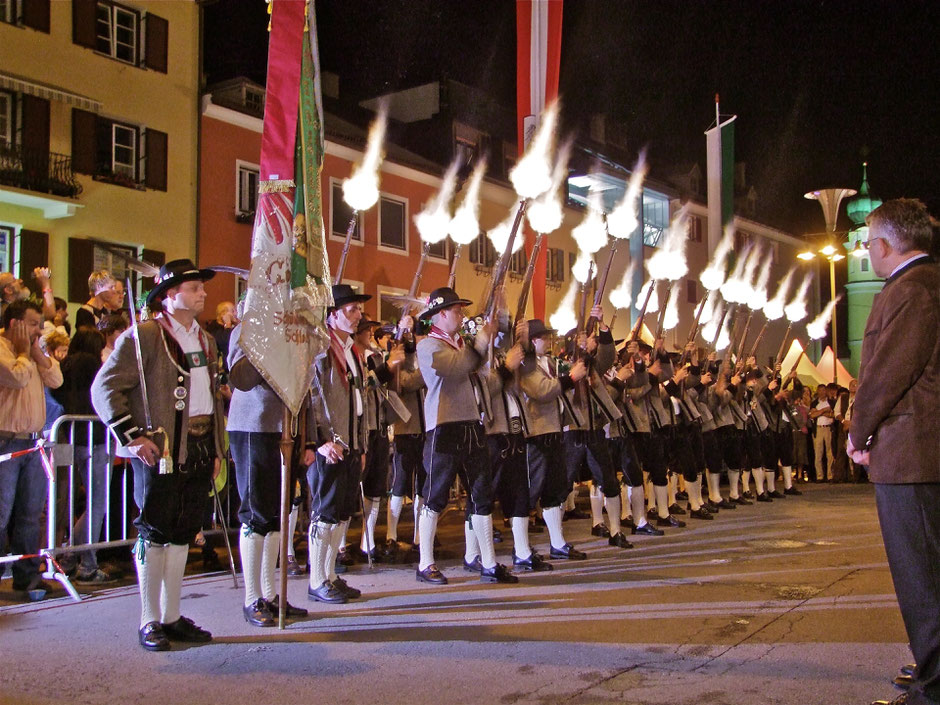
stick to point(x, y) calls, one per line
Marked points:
point(291, 611)
point(340, 568)
point(326, 592)
point(902, 681)
point(748, 495)
point(764, 497)
point(682, 494)
point(676, 509)
point(725, 504)
point(792, 491)
point(430, 575)
point(184, 629)
point(536, 525)
point(908, 669)
point(259, 614)
point(576, 514)
point(600, 530)
point(152, 638)
point(701, 514)
point(741, 501)
point(568, 552)
point(497, 536)
point(627, 523)
point(293, 567)
point(473, 566)
point(777, 494)
point(711, 507)
point(534, 562)
point(210, 560)
point(647, 529)
point(497, 574)
point(670, 521)
point(343, 587)
point(344, 558)
point(619, 541)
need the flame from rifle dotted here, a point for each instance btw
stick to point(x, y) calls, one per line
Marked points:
point(668, 262)
point(465, 225)
point(564, 318)
point(713, 276)
point(796, 309)
point(724, 338)
point(581, 268)
point(653, 305)
point(532, 175)
point(622, 296)
point(591, 233)
point(671, 319)
point(361, 189)
point(758, 298)
point(624, 219)
point(546, 212)
point(434, 221)
point(713, 316)
point(774, 308)
point(817, 328)
point(733, 290)
point(499, 235)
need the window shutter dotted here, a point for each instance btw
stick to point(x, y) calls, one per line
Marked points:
point(81, 265)
point(156, 40)
point(36, 141)
point(84, 143)
point(156, 160)
point(156, 258)
point(36, 15)
point(83, 23)
point(34, 252)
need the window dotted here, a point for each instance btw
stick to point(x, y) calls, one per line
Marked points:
point(6, 121)
point(8, 14)
point(555, 265)
point(389, 311)
point(246, 196)
point(118, 152)
point(864, 264)
point(482, 252)
point(105, 259)
point(439, 250)
point(518, 262)
point(116, 29)
point(393, 224)
point(655, 217)
point(469, 143)
point(741, 240)
point(341, 214)
point(695, 229)
point(124, 150)
point(691, 291)
point(6, 247)
point(254, 99)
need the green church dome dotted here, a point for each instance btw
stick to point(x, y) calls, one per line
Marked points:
point(859, 207)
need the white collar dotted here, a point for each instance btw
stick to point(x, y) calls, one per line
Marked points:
point(907, 262)
point(177, 326)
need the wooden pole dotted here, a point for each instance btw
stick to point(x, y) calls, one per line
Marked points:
point(287, 445)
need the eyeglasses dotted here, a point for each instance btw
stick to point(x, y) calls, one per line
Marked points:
point(867, 243)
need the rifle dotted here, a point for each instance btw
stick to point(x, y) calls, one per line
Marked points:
point(527, 280)
point(601, 285)
point(353, 222)
point(502, 264)
point(635, 333)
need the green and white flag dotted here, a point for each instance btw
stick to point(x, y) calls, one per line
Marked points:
point(719, 140)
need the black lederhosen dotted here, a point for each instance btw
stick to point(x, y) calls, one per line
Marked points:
point(652, 451)
point(334, 487)
point(783, 445)
point(711, 442)
point(590, 449)
point(680, 452)
point(731, 440)
point(458, 449)
point(508, 460)
point(753, 453)
point(628, 461)
point(768, 448)
point(257, 458)
point(408, 470)
point(375, 475)
point(172, 505)
point(545, 468)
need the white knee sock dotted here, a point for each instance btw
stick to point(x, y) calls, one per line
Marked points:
point(319, 543)
point(291, 528)
point(150, 580)
point(694, 490)
point(173, 570)
point(341, 545)
point(787, 477)
point(626, 509)
point(553, 517)
point(272, 549)
point(483, 528)
point(662, 500)
point(520, 537)
point(771, 477)
point(471, 542)
point(638, 506)
point(570, 503)
point(733, 477)
point(337, 539)
point(370, 518)
point(251, 546)
point(428, 527)
point(418, 506)
point(395, 504)
point(597, 505)
point(758, 474)
point(714, 492)
point(613, 514)
point(746, 481)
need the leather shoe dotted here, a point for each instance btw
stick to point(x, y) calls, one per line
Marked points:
point(670, 521)
point(701, 514)
point(430, 575)
point(647, 529)
point(908, 669)
point(473, 566)
point(342, 586)
point(293, 567)
point(497, 536)
point(600, 530)
point(747, 495)
point(675, 509)
point(902, 681)
point(711, 507)
point(741, 501)
point(326, 592)
point(568, 552)
point(259, 614)
point(619, 541)
point(725, 504)
point(275, 607)
point(777, 494)
point(534, 562)
point(792, 491)
point(497, 574)
point(184, 629)
point(764, 497)
point(576, 514)
point(152, 638)
point(682, 494)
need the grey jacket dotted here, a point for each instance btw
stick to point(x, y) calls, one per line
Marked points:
point(412, 391)
point(446, 371)
point(542, 395)
point(117, 398)
point(635, 392)
point(596, 409)
point(334, 405)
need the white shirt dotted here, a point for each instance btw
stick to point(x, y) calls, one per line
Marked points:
point(907, 262)
point(823, 420)
point(200, 388)
point(353, 365)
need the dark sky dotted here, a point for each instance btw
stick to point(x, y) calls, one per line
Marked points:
point(817, 86)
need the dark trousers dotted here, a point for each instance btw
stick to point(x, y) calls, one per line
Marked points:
point(711, 443)
point(510, 478)
point(172, 506)
point(591, 449)
point(625, 455)
point(408, 471)
point(910, 524)
point(682, 451)
point(545, 470)
point(651, 449)
point(23, 493)
point(334, 487)
point(783, 446)
point(257, 459)
point(375, 475)
point(731, 440)
point(454, 450)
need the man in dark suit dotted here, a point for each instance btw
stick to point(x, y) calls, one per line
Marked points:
point(896, 424)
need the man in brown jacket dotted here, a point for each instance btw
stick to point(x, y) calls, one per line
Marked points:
point(896, 424)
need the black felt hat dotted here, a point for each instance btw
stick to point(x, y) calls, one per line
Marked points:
point(344, 294)
point(440, 299)
point(174, 273)
point(537, 328)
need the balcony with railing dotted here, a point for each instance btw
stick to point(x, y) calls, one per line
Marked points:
point(38, 170)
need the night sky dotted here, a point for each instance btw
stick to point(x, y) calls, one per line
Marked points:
point(818, 87)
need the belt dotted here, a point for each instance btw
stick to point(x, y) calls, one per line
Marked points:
point(24, 436)
point(200, 426)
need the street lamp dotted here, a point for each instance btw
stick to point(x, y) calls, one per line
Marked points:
point(829, 252)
